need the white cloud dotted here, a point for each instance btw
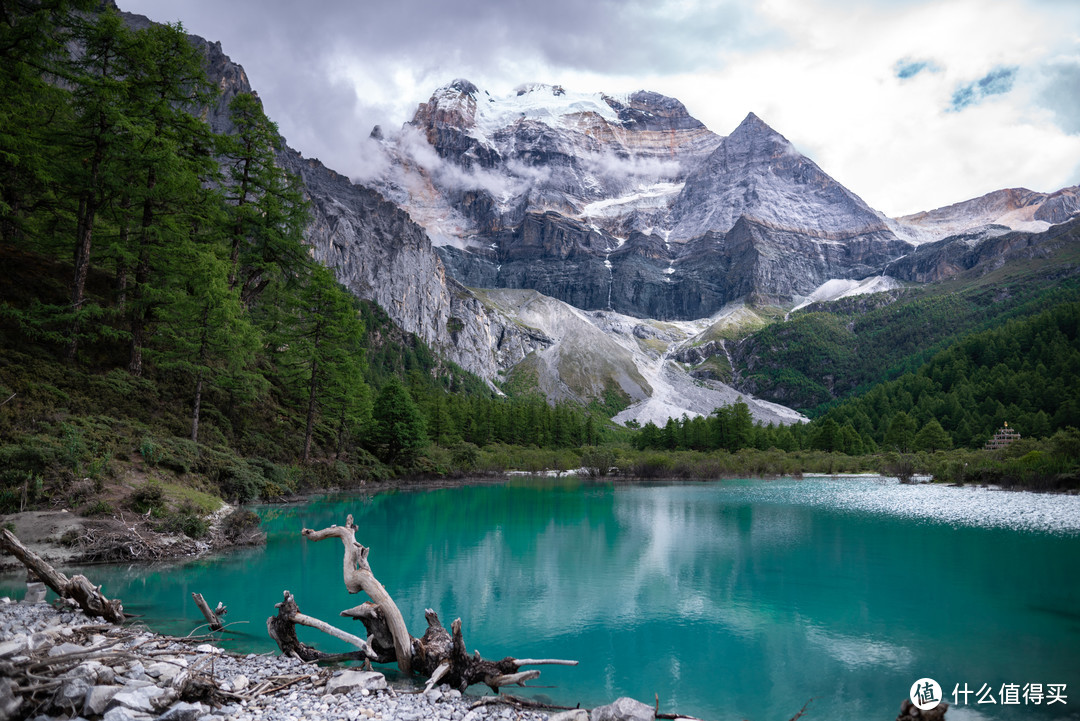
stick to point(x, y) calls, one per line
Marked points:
point(834, 92)
point(822, 72)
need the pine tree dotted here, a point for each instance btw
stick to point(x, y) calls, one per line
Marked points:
point(165, 198)
point(397, 432)
point(932, 437)
point(322, 340)
point(266, 206)
point(901, 433)
point(34, 114)
point(99, 139)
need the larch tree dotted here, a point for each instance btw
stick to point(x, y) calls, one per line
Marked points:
point(322, 355)
point(267, 211)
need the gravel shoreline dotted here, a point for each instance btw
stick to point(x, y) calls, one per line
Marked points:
point(60, 664)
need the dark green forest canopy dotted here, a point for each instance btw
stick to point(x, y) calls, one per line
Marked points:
point(830, 351)
point(144, 252)
point(1024, 373)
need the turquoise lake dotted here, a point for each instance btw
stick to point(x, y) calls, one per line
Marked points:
point(730, 600)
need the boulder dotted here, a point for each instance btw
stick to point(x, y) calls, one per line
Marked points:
point(183, 711)
point(356, 681)
point(9, 702)
point(35, 592)
point(122, 713)
point(623, 709)
point(95, 672)
point(65, 648)
point(70, 695)
point(97, 699)
point(14, 646)
point(143, 698)
point(163, 671)
point(578, 714)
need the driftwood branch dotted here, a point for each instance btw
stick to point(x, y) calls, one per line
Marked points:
point(358, 577)
point(439, 654)
point(282, 629)
point(78, 588)
point(212, 619)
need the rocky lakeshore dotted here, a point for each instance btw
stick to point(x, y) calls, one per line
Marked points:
point(57, 663)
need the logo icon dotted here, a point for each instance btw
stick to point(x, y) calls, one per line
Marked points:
point(925, 694)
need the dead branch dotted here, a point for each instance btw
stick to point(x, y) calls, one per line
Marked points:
point(802, 711)
point(440, 655)
point(77, 588)
point(213, 620)
point(358, 577)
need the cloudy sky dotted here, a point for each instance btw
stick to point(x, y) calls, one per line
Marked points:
point(912, 104)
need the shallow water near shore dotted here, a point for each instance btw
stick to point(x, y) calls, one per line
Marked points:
point(730, 600)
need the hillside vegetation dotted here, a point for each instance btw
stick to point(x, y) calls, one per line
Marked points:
point(831, 350)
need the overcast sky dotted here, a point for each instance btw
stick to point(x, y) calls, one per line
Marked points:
point(912, 104)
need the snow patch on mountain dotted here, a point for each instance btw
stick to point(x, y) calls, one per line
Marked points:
point(551, 105)
point(836, 288)
point(654, 196)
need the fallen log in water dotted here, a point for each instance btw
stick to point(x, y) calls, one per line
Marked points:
point(439, 655)
point(78, 588)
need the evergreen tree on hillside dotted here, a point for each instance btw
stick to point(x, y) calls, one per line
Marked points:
point(322, 356)
point(98, 140)
point(932, 437)
point(398, 430)
point(267, 212)
point(34, 114)
point(165, 203)
point(901, 433)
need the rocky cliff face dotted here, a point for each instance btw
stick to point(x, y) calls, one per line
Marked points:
point(993, 213)
point(981, 251)
point(756, 173)
point(380, 254)
point(629, 205)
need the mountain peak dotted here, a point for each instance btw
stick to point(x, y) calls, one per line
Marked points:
point(461, 85)
point(755, 130)
point(758, 173)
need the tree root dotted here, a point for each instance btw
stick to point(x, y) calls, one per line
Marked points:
point(439, 655)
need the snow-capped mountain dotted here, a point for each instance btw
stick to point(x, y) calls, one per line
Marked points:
point(469, 164)
point(627, 204)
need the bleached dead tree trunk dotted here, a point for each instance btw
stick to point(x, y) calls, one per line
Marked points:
point(439, 654)
point(78, 588)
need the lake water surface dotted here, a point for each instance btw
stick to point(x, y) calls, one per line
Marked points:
point(731, 600)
